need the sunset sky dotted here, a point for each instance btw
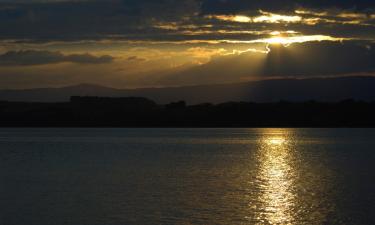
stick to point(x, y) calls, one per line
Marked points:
point(150, 43)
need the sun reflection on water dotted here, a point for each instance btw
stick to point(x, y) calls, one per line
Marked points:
point(276, 176)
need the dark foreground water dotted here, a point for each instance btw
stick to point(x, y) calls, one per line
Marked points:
point(187, 176)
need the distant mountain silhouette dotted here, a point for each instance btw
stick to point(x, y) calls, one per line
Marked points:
point(319, 89)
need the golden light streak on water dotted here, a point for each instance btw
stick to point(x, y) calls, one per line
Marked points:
point(276, 175)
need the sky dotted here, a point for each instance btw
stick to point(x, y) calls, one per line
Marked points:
point(150, 43)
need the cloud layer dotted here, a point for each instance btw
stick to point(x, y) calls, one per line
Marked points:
point(34, 57)
point(182, 20)
point(139, 43)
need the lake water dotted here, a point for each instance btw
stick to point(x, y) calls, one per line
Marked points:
point(187, 176)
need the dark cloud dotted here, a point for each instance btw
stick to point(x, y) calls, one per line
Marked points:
point(320, 58)
point(77, 20)
point(235, 6)
point(34, 57)
point(298, 60)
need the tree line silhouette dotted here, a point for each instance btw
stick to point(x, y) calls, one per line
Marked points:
point(142, 112)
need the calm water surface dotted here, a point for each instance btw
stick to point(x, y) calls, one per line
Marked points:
point(187, 176)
